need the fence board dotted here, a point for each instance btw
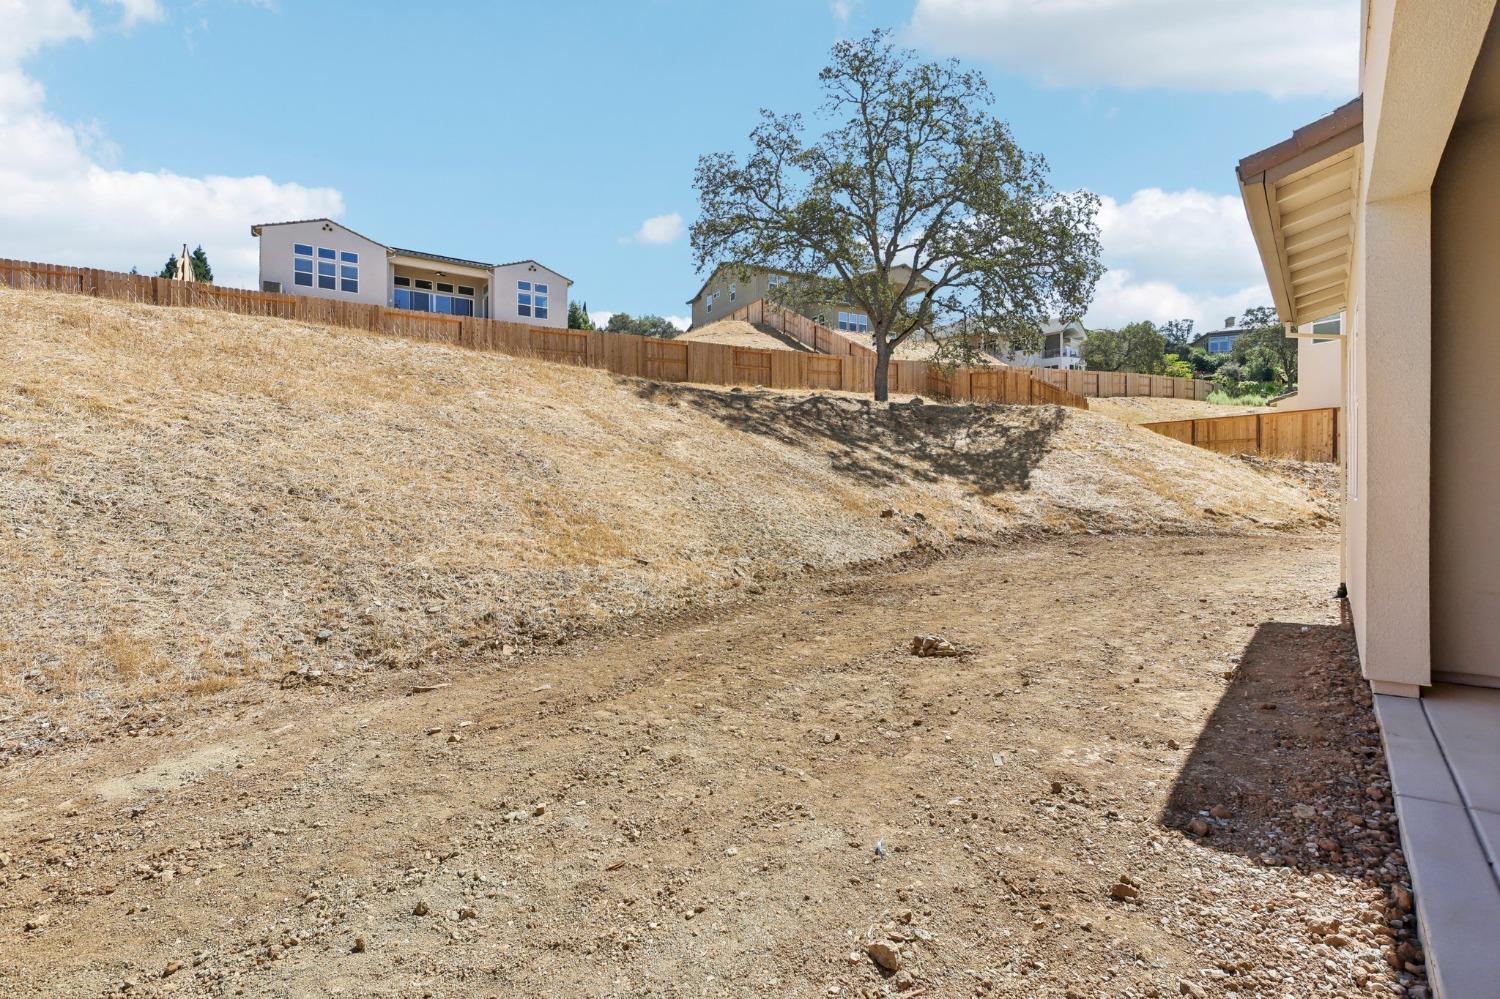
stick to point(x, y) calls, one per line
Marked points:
point(1303, 434)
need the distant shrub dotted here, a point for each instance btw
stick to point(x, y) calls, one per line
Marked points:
point(1221, 398)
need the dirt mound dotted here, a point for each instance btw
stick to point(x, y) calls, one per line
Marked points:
point(1145, 409)
point(192, 500)
point(738, 333)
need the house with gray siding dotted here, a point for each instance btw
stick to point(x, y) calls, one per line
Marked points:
point(321, 258)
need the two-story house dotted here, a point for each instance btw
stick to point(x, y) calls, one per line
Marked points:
point(322, 259)
point(1219, 342)
point(1062, 347)
point(732, 286)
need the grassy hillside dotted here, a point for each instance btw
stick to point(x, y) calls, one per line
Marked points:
point(191, 500)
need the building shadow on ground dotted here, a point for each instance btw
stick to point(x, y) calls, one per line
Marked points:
point(1282, 771)
point(989, 448)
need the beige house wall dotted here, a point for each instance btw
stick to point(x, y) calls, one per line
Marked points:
point(1465, 594)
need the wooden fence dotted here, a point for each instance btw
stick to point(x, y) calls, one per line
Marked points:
point(622, 354)
point(1090, 384)
point(1304, 434)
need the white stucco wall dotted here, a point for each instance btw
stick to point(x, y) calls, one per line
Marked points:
point(503, 296)
point(1320, 375)
point(276, 260)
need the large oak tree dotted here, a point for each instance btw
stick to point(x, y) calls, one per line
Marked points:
point(914, 205)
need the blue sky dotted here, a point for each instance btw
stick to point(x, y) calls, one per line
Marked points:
point(499, 130)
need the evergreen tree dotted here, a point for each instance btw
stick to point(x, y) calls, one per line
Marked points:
point(578, 316)
point(201, 271)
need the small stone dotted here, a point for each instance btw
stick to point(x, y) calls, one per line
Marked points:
point(420, 909)
point(171, 969)
point(885, 954)
point(1304, 811)
point(1221, 812)
point(324, 635)
point(468, 912)
point(1057, 787)
point(1199, 828)
point(539, 810)
point(932, 646)
point(904, 980)
point(1124, 891)
point(359, 945)
point(1173, 744)
point(1403, 898)
point(37, 922)
point(1187, 988)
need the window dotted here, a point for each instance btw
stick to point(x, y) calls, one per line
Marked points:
point(302, 265)
point(325, 271)
point(733, 290)
point(466, 291)
point(539, 304)
point(709, 302)
point(463, 306)
point(776, 281)
point(348, 257)
point(424, 284)
point(854, 322)
point(445, 287)
point(403, 282)
point(523, 298)
point(349, 278)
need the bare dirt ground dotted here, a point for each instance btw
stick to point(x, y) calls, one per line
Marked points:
point(192, 502)
point(1151, 772)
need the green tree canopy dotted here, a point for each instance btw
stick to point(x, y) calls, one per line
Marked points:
point(1264, 352)
point(1177, 333)
point(915, 205)
point(657, 326)
point(1136, 347)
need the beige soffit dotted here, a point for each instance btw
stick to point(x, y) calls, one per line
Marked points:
point(1300, 196)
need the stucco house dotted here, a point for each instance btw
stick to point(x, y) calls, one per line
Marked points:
point(1385, 210)
point(733, 285)
point(1062, 347)
point(322, 258)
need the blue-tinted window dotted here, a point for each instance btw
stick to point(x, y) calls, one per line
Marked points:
point(325, 281)
point(302, 279)
point(326, 253)
point(541, 312)
point(540, 289)
point(523, 298)
point(325, 269)
point(463, 307)
point(540, 303)
point(443, 304)
point(420, 301)
point(348, 258)
point(402, 298)
point(349, 285)
point(302, 266)
point(523, 286)
point(345, 271)
point(302, 249)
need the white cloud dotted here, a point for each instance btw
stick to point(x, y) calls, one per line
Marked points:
point(1285, 48)
point(681, 322)
point(140, 10)
point(600, 319)
point(661, 229)
point(64, 203)
point(841, 10)
point(1176, 255)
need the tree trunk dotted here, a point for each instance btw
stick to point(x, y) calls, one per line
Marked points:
point(882, 370)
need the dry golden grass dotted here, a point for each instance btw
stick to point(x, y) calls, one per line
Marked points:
point(190, 499)
point(1144, 409)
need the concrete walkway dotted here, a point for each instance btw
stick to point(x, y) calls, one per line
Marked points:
point(1442, 750)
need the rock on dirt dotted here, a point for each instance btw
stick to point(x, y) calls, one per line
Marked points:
point(932, 646)
point(885, 954)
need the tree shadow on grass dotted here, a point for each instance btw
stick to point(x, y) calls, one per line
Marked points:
point(988, 448)
point(1280, 773)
